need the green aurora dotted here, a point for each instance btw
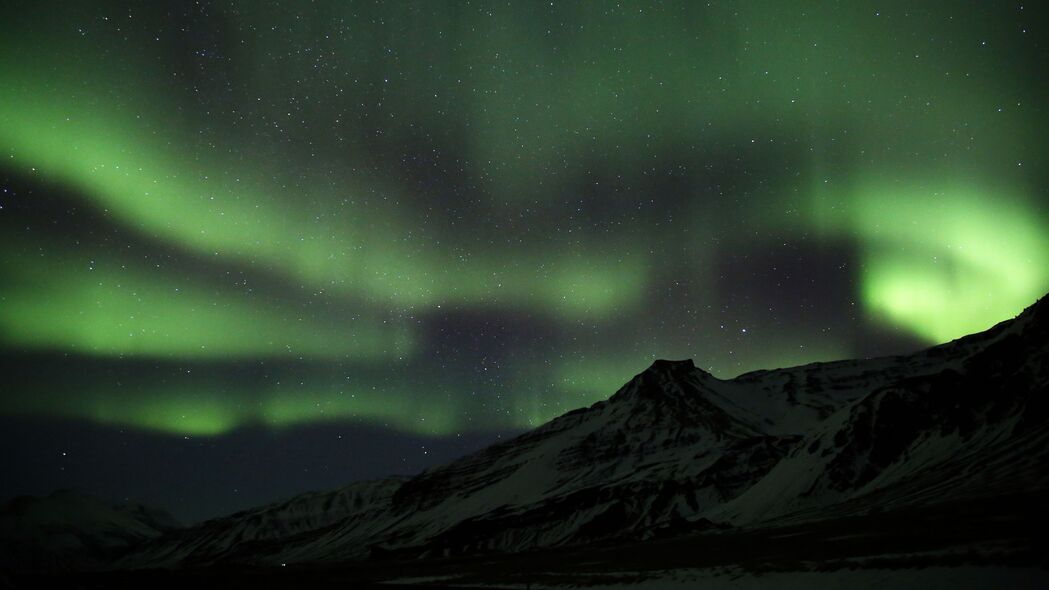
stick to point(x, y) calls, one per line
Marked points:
point(501, 213)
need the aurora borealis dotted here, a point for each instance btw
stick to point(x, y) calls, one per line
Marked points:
point(225, 221)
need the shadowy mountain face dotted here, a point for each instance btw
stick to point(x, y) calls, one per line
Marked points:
point(967, 420)
point(285, 532)
point(72, 531)
point(678, 450)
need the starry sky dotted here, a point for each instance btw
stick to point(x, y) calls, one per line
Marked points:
point(249, 249)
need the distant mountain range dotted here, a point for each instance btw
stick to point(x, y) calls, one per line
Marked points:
point(674, 452)
point(68, 531)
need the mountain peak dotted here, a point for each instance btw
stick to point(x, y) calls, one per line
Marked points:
point(669, 366)
point(664, 378)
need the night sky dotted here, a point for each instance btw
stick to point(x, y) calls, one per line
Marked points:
point(252, 249)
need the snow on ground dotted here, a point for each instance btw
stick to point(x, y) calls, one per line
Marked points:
point(935, 578)
point(932, 578)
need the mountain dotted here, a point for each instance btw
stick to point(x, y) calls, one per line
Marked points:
point(676, 451)
point(971, 422)
point(71, 531)
point(330, 523)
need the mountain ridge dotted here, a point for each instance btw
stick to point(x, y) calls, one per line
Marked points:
point(677, 445)
point(676, 449)
point(69, 530)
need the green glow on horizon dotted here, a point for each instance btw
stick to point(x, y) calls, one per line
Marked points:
point(200, 411)
point(198, 415)
point(951, 262)
point(401, 410)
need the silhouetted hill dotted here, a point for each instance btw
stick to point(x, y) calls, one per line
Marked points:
point(678, 450)
point(870, 445)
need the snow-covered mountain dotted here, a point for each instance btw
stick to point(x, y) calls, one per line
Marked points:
point(969, 419)
point(676, 449)
point(68, 530)
point(339, 523)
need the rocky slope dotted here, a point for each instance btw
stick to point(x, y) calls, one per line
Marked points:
point(676, 449)
point(68, 530)
point(339, 523)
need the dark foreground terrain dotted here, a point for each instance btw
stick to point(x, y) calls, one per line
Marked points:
point(1008, 534)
